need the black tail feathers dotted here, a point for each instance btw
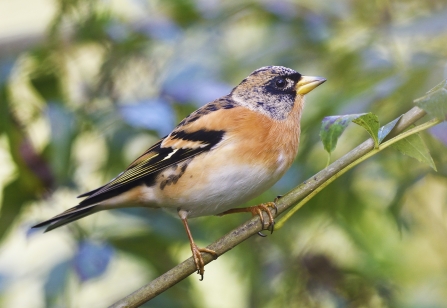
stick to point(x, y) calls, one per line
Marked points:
point(66, 217)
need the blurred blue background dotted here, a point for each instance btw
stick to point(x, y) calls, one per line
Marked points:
point(86, 86)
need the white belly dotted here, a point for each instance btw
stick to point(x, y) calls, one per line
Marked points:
point(226, 189)
point(213, 190)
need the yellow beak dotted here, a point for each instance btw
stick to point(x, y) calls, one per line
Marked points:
point(308, 83)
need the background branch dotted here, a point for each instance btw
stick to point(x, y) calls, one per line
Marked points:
point(251, 227)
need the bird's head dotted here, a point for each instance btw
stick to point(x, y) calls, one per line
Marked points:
point(273, 90)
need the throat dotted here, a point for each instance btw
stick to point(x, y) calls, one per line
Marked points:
point(277, 112)
point(277, 107)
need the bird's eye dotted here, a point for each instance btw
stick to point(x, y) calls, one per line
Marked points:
point(280, 83)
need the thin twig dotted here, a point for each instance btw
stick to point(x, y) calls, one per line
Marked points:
point(253, 226)
point(374, 151)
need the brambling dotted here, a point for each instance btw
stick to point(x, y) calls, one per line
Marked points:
point(223, 154)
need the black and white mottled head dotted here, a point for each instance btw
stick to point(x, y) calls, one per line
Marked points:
point(272, 90)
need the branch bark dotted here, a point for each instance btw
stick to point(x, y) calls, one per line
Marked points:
point(253, 226)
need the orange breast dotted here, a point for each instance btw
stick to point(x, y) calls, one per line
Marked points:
point(259, 138)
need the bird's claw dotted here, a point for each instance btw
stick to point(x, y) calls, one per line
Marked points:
point(258, 209)
point(198, 259)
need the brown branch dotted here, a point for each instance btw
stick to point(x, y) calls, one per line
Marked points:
point(253, 226)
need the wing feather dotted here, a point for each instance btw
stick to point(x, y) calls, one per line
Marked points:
point(157, 158)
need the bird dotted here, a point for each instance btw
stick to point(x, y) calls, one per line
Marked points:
point(223, 154)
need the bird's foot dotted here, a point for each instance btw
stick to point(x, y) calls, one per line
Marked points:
point(257, 210)
point(198, 259)
point(265, 207)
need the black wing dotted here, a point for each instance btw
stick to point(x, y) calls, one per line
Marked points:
point(145, 169)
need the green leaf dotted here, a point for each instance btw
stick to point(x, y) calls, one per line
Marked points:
point(386, 129)
point(435, 102)
point(415, 147)
point(332, 127)
point(370, 122)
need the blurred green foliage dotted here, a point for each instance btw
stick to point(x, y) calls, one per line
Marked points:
point(74, 111)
